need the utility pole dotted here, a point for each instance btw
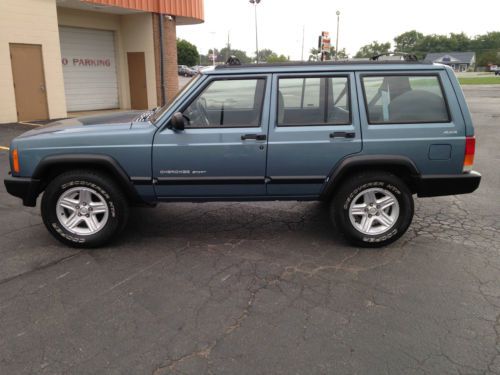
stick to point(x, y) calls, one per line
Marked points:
point(337, 42)
point(228, 46)
point(302, 55)
point(213, 51)
point(255, 2)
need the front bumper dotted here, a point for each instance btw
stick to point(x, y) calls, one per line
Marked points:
point(437, 185)
point(27, 189)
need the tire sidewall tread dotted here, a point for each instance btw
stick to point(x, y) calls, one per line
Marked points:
point(115, 199)
point(351, 187)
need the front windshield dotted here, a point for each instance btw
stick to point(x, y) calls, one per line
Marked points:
point(174, 100)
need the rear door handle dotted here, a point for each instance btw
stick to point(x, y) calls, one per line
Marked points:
point(257, 137)
point(342, 135)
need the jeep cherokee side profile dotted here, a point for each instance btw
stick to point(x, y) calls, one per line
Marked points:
point(364, 137)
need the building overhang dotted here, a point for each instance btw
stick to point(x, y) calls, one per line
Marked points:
point(186, 12)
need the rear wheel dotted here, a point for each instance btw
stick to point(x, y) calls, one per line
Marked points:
point(373, 209)
point(84, 208)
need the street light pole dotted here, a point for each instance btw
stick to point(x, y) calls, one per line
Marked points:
point(337, 41)
point(302, 55)
point(255, 2)
point(213, 50)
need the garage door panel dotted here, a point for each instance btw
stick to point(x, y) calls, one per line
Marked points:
point(89, 67)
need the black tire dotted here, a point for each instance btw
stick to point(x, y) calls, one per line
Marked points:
point(354, 185)
point(117, 205)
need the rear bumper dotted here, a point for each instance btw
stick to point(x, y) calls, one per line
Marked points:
point(437, 185)
point(27, 189)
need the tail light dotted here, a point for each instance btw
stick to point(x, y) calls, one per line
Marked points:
point(15, 161)
point(470, 149)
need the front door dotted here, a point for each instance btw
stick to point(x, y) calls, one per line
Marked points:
point(312, 127)
point(137, 80)
point(222, 151)
point(29, 82)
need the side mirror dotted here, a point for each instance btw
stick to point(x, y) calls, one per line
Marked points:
point(178, 122)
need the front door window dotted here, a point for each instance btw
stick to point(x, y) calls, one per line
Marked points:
point(227, 104)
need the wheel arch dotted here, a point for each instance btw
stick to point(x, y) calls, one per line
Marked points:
point(53, 165)
point(401, 166)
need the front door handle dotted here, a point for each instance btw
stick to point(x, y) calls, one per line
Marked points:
point(342, 135)
point(257, 137)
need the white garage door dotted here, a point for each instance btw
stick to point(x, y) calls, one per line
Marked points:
point(89, 68)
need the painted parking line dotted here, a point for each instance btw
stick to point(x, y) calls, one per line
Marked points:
point(29, 123)
point(4, 148)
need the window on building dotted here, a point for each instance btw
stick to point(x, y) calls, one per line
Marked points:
point(400, 99)
point(313, 101)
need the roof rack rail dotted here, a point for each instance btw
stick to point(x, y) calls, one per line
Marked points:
point(404, 55)
point(233, 60)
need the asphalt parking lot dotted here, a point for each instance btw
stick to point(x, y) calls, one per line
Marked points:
point(259, 288)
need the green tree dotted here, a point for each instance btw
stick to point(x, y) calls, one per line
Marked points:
point(373, 49)
point(433, 43)
point(342, 55)
point(459, 42)
point(486, 41)
point(274, 58)
point(187, 53)
point(239, 54)
point(264, 54)
point(488, 57)
point(408, 41)
point(313, 54)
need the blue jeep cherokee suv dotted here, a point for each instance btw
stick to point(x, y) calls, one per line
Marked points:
point(364, 137)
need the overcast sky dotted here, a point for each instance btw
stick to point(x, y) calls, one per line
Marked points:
point(280, 22)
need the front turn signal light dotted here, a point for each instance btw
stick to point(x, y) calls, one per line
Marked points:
point(15, 161)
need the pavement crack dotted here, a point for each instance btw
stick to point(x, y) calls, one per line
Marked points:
point(41, 267)
point(172, 364)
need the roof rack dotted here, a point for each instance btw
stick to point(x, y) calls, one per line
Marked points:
point(404, 55)
point(233, 60)
point(320, 63)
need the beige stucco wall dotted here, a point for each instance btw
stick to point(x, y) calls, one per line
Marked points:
point(31, 22)
point(137, 35)
point(133, 33)
point(38, 21)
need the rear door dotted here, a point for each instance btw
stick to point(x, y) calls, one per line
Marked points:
point(222, 151)
point(314, 123)
point(414, 114)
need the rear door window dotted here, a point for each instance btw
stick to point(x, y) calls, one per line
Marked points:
point(313, 101)
point(405, 99)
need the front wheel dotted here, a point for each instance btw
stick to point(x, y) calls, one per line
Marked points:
point(84, 208)
point(373, 209)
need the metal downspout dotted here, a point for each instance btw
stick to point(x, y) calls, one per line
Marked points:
point(162, 62)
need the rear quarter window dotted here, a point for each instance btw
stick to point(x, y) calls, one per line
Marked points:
point(405, 99)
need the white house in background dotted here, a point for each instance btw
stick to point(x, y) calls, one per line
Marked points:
point(459, 61)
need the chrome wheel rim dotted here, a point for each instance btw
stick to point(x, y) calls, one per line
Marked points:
point(374, 211)
point(82, 211)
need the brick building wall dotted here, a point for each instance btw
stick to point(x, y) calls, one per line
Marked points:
point(171, 79)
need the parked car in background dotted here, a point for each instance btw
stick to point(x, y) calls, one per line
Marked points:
point(181, 69)
point(186, 71)
point(363, 137)
point(197, 68)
